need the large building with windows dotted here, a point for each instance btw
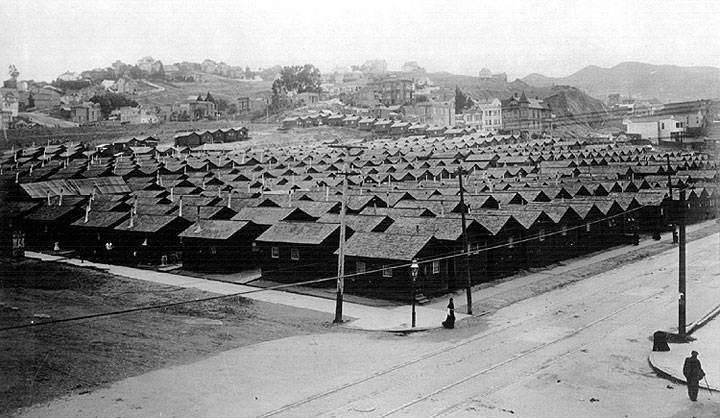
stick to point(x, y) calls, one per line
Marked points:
point(395, 91)
point(523, 115)
point(484, 117)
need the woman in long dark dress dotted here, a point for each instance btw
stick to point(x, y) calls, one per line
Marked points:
point(450, 320)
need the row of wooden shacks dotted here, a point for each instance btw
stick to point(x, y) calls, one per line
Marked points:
point(530, 204)
point(379, 126)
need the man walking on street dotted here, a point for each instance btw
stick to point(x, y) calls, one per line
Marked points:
point(693, 374)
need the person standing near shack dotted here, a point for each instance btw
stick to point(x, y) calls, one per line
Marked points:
point(692, 369)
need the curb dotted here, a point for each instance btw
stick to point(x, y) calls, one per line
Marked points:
point(675, 379)
point(704, 319)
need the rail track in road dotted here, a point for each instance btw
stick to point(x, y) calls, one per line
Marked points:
point(444, 350)
point(515, 358)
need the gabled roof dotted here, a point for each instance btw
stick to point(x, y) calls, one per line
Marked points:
point(214, 229)
point(309, 233)
point(147, 223)
point(386, 246)
point(51, 213)
point(269, 216)
point(358, 223)
point(98, 219)
point(449, 229)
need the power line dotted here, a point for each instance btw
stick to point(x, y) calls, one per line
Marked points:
point(314, 281)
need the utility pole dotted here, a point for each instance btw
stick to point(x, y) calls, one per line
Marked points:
point(466, 249)
point(341, 250)
point(668, 175)
point(670, 193)
point(682, 302)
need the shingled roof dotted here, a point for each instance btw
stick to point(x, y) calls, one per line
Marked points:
point(310, 233)
point(214, 229)
point(382, 245)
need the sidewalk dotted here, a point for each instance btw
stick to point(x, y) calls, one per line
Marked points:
point(356, 315)
point(706, 343)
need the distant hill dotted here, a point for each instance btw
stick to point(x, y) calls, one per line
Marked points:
point(569, 104)
point(645, 81)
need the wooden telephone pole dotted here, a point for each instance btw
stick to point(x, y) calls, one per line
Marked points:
point(466, 248)
point(341, 251)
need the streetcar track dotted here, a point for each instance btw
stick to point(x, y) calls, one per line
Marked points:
point(475, 338)
point(444, 350)
point(516, 357)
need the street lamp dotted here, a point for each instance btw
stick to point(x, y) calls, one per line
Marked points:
point(414, 268)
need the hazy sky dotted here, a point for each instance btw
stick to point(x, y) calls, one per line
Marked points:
point(45, 38)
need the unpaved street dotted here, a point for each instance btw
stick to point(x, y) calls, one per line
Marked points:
point(580, 350)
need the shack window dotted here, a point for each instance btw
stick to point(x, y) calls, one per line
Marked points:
point(511, 241)
point(360, 267)
point(563, 231)
point(386, 271)
point(436, 267)
point(275, 252)
point(542, 235)
point(213, 250)
point(294, 254)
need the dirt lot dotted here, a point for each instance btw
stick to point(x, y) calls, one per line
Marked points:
point(44, 362)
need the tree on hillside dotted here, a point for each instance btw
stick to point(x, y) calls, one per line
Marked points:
point(209, 98)
point(460, 100)
point(111, 101)
point(297, 79)
point(222, 104)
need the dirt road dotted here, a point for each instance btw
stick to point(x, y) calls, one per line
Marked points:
point(580, 350)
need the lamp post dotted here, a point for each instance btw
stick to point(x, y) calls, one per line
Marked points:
point(414, 267)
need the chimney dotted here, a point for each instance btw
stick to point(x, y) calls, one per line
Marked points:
point(132, 219)
point(172, 193)
point(327, 192)
point(417, 229)
point(290, 198)
point(219, 192)
point(61, 195)
point(17, 177)
point(198, 213)
point(229, 199)
point(87, 212)
point(135, 205)
point(181, 207)
point(48, 198)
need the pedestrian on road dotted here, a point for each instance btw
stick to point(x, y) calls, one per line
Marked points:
point(450, 320)
point(692, 369)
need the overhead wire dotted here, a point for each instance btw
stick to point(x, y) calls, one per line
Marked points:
point(450, 255)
